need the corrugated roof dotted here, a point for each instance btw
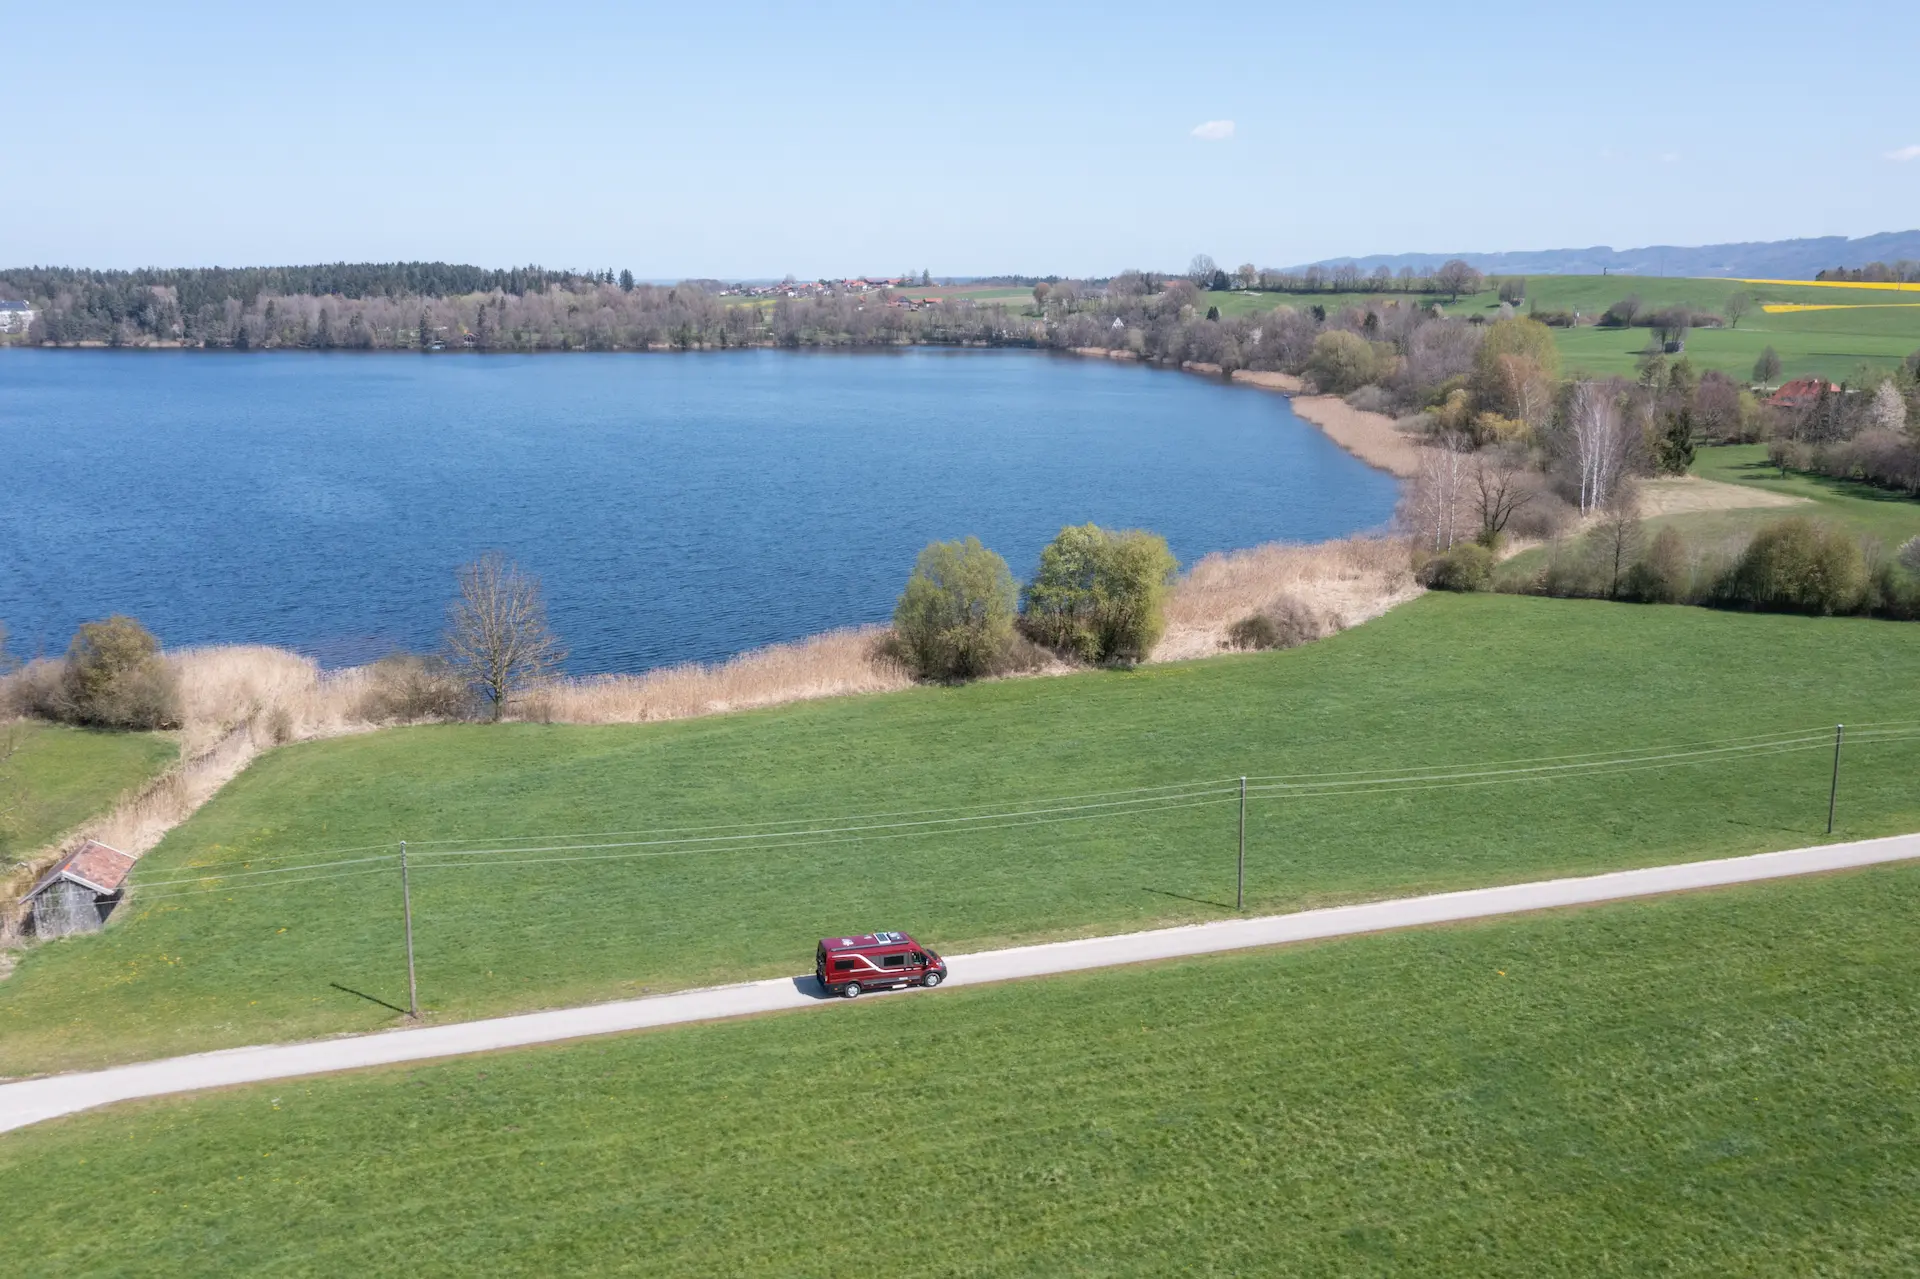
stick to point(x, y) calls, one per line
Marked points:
point(92, 865)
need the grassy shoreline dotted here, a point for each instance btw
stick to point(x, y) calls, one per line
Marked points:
point(1446, 680)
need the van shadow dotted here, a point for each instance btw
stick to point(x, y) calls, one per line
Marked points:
point(810, 987)
point(361, 994)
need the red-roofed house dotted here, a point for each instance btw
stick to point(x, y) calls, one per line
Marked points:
point(1801, 393)
point(81, 890)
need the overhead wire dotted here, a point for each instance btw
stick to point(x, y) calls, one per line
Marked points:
point(1145, 801)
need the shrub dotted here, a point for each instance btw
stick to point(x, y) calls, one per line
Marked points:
point(1371, 399)
point(1341, 362)
point(1100, 595)
point(114, 678)
point(1909, 555)
point(1285, 623)
point(1547, 516)
point(1468, 566)
point(1794, 565)
point(955, 619)
point(1660, 575)
point(405, 688)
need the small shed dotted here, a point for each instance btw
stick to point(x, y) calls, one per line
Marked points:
point(81, 890)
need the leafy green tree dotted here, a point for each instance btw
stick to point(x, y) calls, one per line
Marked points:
point(1795, 565)
point(1341, 362)
point(1515, 368)
point(626, 281)
point(1100, 594)
point(955, 619)
point(115, 678)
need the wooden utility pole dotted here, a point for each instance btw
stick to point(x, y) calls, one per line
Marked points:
point(406, 905)
point(1240, 879)
point(1833, 791)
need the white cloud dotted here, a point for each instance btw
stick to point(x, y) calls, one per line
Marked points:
point(1214, 130)
point(1899, 156)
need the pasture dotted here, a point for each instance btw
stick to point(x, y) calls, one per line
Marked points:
point(1718, 1083)
point(557, 865)
point(58, 777)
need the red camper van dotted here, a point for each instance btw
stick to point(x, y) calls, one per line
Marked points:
point(878, 961)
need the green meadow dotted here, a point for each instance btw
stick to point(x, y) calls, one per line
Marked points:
point(1719, 1083)
point(1834, 343)
point(58, 777)
point(315, 946)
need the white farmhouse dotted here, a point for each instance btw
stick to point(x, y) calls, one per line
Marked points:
point(15, 315)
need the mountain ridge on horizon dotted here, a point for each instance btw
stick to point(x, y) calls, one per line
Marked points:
point(1750, 259)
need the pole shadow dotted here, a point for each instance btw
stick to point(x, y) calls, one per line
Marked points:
point(369, 998)
point(1182, 897)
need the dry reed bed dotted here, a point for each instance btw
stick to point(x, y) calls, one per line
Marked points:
point(1343, 583)
point(831, 665)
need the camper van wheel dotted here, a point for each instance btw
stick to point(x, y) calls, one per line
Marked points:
point(850, 991)
point(930, 980)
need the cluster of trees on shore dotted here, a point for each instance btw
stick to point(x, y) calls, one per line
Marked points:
point(537, 311)
point(1792, 565)
point(1098, 598)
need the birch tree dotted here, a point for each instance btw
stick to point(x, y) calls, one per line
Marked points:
point(1599, 442)
point(497, 630)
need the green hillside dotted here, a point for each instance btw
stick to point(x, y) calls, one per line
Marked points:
point(1877, 329)
point(59, 777)
point(1718, 1083)
point(315, 946)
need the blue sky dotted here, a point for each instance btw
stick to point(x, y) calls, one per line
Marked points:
point(826, 139)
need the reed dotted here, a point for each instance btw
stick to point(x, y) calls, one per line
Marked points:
point(830, 665)
point(1344, 583)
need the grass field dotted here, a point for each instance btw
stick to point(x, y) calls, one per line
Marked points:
point(1831, 343)
point(1869, 513)
point(1443, 681)
point(61, 776)
point(1707, 1084)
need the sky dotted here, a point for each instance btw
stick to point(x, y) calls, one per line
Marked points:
point(743, 141)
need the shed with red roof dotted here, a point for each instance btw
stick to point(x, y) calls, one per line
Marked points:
point(81, 890)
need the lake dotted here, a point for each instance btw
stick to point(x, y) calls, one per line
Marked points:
point(676, 506)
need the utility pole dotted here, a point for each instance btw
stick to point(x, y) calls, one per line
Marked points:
point(1833, 791)
point(1240, 879)
point(406, 903)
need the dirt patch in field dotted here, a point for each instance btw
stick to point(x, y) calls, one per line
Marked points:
point(1686, 494)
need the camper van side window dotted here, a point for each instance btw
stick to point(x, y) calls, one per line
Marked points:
point(895, 961)
point(843, 965)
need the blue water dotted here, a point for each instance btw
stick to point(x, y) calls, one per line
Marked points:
point(676, 506)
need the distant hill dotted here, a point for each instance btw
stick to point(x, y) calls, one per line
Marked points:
point(1771, 259)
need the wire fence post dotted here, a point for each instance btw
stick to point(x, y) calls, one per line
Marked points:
point(1833, 790)
point(406, 905)
point(1240, 877)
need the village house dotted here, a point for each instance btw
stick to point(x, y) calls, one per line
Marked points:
point(16, 316)
point(1801, 393)
point(81, 890)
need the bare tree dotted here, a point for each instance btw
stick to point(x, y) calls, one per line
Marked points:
point(1498, 486)
point(1201, 270)
point(1736, 306)
point(1040, 292)
point(497, 629)
point(1457, 277)
point(1432, 509)
point(1618, 536)
point(1247, 275)
point(1599, 442)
